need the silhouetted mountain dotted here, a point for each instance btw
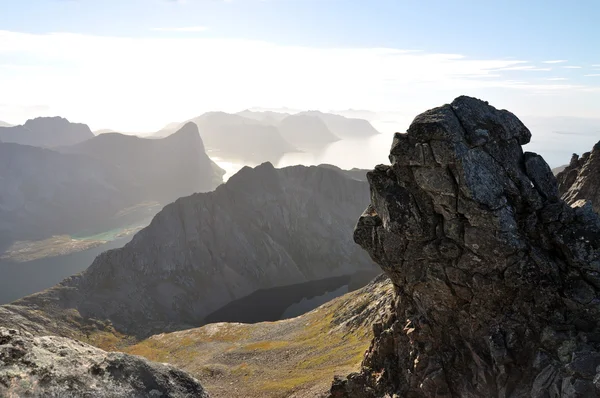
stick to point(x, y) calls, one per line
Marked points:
point(344, 127)
point(306, 131)
point(46, 132)
point(163, 169)
point(230, 136)
point(268, 117)
point(4, 124)
point(264, 228)
point(86, 186)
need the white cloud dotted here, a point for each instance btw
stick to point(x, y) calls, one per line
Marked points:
point(557, 78)
point(592, 75)
point(572, 67)
point(184, 29)
point(135, 84)
point(557, 61)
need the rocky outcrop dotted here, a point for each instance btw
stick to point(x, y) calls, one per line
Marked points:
point(264, 228)
point(580, 180)
point(60, 367)
point(46, 132)
point(496, 278)
point(159, 169)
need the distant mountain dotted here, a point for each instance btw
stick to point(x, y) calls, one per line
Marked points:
point(344, 127)
point(4, 124)
point(306, 131)
point(86, 186)
point(104, 131)
point(268, 117)
point(46, 132)
point(558, 169)
point(44, 192)
point(264, 228)
point(231, 136)
point(163, 169)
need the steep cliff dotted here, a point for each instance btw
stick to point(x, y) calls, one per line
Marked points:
point(580, 180)
point(497, 280)
point(265, 227)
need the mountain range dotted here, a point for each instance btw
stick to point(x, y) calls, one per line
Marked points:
point(84, 188)
point(46, 132)
point(265, 227)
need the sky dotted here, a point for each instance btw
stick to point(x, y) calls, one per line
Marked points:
point(136, 65)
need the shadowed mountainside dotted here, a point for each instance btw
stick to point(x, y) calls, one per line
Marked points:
point(263, 228)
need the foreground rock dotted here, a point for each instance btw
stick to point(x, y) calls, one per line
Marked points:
point(580, 180)
point(264, 228)
point(59, 367)
point(496, 278)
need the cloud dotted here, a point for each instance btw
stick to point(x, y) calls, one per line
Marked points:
point(183, 29)
point(140, 84)
point(557, 61)
point(592, 75)
point(572, 67)
point(527, 68)
point(557, 78)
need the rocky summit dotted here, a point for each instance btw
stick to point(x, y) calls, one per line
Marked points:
point(59, 367)
point(496, 278)
point(580, 180)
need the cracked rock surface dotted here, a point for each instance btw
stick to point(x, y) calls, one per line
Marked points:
point(496, 278)
point(60, 367)
point(580, 180)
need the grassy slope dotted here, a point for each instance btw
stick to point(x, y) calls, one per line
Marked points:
point(296, 357)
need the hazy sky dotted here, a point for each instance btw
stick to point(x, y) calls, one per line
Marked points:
point(135, 65)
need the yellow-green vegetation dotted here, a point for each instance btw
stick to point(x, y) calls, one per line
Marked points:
point(275, 359)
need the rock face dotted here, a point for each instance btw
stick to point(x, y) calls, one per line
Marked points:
point(580, 180)
point(264, 228)
point(161, 170)
point(46, 132)
point(60, 367)
point(496, 278)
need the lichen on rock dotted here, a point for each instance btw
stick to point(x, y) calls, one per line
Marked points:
point(496, 278)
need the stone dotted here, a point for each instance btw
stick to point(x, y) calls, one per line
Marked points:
point(52, 366)
point(496, 296)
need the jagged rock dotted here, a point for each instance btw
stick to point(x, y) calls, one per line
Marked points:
point(46, 132)
point(580, 180)
point(496, 278)
point(264, 228)
point(60, 367)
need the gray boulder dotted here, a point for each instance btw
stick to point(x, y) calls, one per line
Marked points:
point(497, 280)
point(60, 367)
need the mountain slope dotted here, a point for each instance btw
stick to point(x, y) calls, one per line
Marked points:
point(164, 169)
point(46, 132)
point(292, 358)
point(263, 228)
point(580, 180)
